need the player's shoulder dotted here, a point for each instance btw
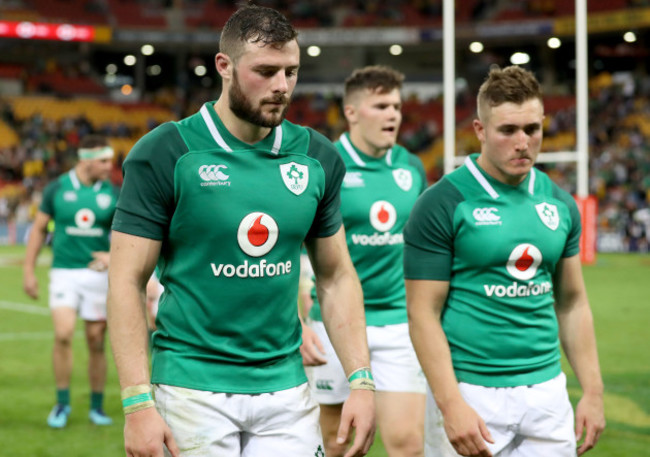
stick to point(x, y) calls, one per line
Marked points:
point(545, 186)
point(163, 140)
point(443, 193)
point(57, 183)
point(305, 140)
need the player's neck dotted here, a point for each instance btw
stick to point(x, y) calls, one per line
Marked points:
point(368, 149)
point(83, 175)
point(240, 129)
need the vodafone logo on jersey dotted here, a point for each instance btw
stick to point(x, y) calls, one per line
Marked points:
point(257, 234)
point(524, 261)
point(382, 216)
point(84, 218)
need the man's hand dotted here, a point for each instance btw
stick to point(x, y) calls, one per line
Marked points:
point(466, 430)
point(358, 413)
point(145, 432)
point(100, 261)
point(30, 284)
point(311, 349)
point(590, 421)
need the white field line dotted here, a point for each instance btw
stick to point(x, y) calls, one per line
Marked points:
point(22, 336)
point(24, 308)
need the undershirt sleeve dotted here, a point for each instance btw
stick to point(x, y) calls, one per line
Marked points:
point(429, 234)
point(146, 202)
point(327, 220)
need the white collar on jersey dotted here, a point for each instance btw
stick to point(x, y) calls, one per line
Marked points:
point(487, 186)
point(345, 141)
point(209, 122)
point(77, 184)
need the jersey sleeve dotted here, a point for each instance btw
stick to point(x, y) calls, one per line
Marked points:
point(416, 163)
point(572, 246)
point(429, 234)
point(146, 202)
point(328, 218)
point(47, 203)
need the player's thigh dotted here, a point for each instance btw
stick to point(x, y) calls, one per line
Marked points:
point(64, 289)
point(436, 442)
point(93, 289)
point(400, 417)
point(394, 363)
point(548, 426)
point(202, 423)
point(493, 406)
point(284, 423)
point(328, 382)
point(64, 319)
point(330, 420)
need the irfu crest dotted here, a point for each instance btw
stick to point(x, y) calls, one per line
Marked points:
point(549, 215)
point(295, 177)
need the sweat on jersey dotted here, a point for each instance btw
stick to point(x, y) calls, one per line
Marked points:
point(376, 199)
point(82, 218)
point(231, 217)
point(498, 246)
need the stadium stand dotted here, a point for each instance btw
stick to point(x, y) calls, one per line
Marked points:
point(61, 100)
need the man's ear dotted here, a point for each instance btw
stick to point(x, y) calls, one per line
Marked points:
point(350, 112)
point(479, 130)
point(224, 65)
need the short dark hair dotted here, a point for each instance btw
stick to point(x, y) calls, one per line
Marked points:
point(510, 84)
point(92, 141)
point(255, 24)
point(379, 78)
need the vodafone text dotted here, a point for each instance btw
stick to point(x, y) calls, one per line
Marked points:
point(518, 290)
point(378, 239)
point(254, 270)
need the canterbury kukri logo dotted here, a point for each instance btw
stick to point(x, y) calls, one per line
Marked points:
point(486, 216)
point(214, 175)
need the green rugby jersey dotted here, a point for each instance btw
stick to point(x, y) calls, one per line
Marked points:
point(82, 218)
point(231, 217)
point(376, 198)
point(498, 246)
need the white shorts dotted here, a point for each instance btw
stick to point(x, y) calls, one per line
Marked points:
point(210, 424)
point(393, 362)
point(82, 289)
point(531, 421)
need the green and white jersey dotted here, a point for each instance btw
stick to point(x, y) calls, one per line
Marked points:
point(82, 218)
point(376, 199)
point(231, 217)
point(498, 246)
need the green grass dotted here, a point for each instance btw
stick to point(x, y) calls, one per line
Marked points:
point(618, 290)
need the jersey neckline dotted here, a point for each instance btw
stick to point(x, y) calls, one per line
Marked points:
point(77, 184)
point(488, 182)
point(355, 153)
point(215, 127)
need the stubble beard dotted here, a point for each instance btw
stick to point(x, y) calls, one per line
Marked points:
point(242, 107)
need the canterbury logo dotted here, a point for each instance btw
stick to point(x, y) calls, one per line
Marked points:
point(213, 173)
point(324, 384)
point(486, 216)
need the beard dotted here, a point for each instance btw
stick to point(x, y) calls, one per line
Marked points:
point(243, 108)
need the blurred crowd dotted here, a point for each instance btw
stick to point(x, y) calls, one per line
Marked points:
point(619, 151)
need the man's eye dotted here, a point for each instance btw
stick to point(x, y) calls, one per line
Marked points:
point(531, 129)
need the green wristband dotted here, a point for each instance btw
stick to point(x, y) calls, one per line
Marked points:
point(134, 400)
point(361, 373)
